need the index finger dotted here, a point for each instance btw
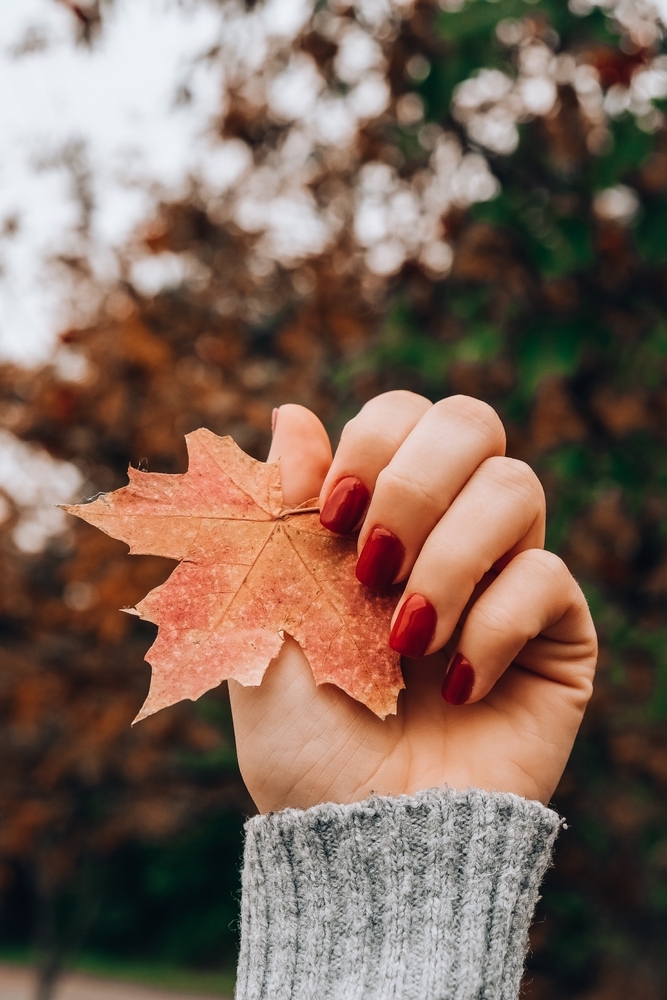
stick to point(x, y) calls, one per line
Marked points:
point(368, 443)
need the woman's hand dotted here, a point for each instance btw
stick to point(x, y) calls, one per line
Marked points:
point(485, 610)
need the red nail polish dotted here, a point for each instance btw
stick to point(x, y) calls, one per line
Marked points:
point(345, 505)
point(414, 627)
point(380, 559)
point(459, 682)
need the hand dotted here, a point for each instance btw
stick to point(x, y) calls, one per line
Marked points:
point(439, 506)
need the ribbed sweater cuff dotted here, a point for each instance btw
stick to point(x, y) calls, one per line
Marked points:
point(424, 897)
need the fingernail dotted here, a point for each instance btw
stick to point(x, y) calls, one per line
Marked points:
point(414, 627)
point(380, 559)
point(345, 505)
point(274, 419)
point(459, 682)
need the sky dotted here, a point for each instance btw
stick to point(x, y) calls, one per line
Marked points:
point(104, 122)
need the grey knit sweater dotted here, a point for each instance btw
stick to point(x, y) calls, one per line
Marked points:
point(424, 897)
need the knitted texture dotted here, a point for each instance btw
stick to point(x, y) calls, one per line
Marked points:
point(424, 897)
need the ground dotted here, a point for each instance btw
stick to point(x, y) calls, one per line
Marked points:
point(18, 983)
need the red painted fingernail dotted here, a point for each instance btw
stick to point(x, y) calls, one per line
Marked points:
point(414, 627)
point(380, 559)
point(345, 505)
point(274, 418)
point(459, 682)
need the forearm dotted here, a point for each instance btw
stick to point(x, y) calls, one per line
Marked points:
point(413, 898)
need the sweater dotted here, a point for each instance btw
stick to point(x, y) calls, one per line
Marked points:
point(422, 897)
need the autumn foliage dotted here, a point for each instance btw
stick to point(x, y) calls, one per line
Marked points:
point(251, 570)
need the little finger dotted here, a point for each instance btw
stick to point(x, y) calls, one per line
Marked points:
point(533, 614)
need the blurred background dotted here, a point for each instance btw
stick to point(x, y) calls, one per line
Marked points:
point(209, 209)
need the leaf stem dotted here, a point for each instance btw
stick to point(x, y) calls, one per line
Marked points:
point(300, 510)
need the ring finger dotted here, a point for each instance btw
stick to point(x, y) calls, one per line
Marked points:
point(499, 513)
point(417, 486)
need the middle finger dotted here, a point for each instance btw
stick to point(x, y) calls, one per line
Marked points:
point(499, 513)
point(420, 482)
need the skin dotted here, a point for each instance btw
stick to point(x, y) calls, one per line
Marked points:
point(472, 524)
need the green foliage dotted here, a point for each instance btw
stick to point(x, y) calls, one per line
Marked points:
point(651, 229)
point(556, 317)
point(630, 147)
point(174, 901)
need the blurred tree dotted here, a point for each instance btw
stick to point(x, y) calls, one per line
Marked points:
point(465, 198)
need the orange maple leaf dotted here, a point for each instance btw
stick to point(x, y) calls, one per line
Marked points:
point(249, 572)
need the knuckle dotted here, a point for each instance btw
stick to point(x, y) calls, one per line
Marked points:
point(551, 566)
point(382, 420)
point(356, 433)
point(348, 430)
point(400, 397)
point(546, 563)
point(476, 413)
point(516, 476)
point(493, 619)
point(391, 481)
point(394, 402)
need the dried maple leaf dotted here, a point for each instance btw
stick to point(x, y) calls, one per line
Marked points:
point(249, 573)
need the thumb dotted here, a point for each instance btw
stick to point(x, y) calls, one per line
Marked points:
point(301, 445)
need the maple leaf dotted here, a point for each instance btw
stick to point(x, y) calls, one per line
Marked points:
point(249, 571)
